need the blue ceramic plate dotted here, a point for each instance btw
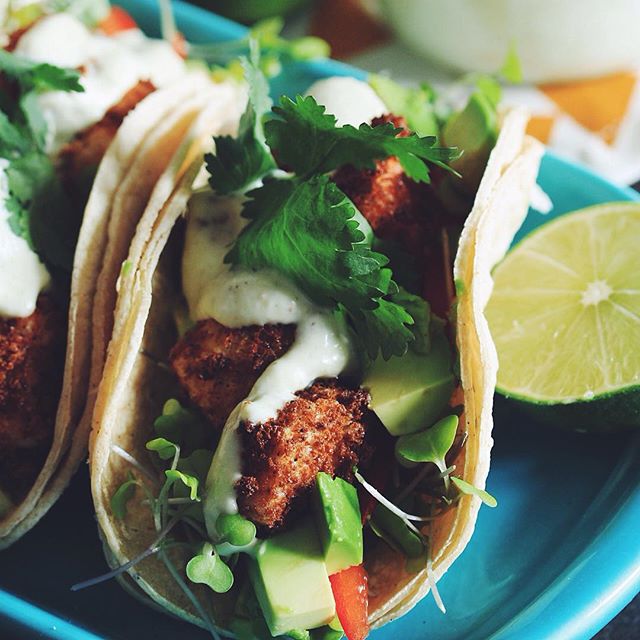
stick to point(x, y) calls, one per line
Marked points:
point(557, 559)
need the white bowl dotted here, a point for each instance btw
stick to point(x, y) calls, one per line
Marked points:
point(555, 39)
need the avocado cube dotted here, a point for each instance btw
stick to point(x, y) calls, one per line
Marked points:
point(408, 393)
point(474, 130)
point(291, 582)
point(338, 522)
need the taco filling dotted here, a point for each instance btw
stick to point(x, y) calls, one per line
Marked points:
point(317, 411)
point(65, 88)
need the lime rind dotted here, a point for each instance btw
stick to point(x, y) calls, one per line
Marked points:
point(566, 295)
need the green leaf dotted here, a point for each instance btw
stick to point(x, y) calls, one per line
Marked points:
point(122, 495)
point(468, 489)
point(189, 481)
point(165, 449)
point(40, 211)
point(418, 308)
point(306, 230)
point(183, 426)
point(327, 146)
point(391, 528)
point(235, 529)
point(244, 159)
point(414, 104)
point(197, 464)
point(430, 445)
point(38, 76)
point(208, 568)
point(511, 69)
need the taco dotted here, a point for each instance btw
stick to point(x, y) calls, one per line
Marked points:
point(293, 429)
point(91, 117)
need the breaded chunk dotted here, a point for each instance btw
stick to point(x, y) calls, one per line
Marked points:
point(395, 206)
point(31, 367)
point(323, 429)
point(83, 154)
point(217, 366)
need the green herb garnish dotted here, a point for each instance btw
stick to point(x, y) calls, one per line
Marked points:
point(36, 199)
point(122, 495)
point(468, 489)
point(304, 226)
point(235, 529)
point(208, 568)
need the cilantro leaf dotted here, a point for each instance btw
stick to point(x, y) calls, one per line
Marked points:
point(307, 230)
point(511, 69)
point(418, 308)
point(40, 211)
point(39, 76)
point(241, 160)
point(327, 147)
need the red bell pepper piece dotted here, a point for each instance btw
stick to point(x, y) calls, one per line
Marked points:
point(115, 21)
point(351, 594)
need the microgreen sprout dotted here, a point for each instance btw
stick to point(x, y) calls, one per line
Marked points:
point(431, 445)
point(209, 568)
point(121, 497)
point(164, 448)
point(125, 455)
point(468, 489)
point(235, 529)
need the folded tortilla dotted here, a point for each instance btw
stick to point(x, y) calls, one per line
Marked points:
point(135, 385)
point(133, 170)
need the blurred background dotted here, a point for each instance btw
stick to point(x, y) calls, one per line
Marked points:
point(580, 83)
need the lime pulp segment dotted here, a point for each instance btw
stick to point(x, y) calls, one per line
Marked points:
point(565, 310)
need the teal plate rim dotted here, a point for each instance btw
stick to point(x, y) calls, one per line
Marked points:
point(594, 569)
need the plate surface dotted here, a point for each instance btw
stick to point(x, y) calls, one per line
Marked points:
point(557, 559)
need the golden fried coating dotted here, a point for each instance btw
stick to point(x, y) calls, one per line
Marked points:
point(394, 205)
point(31, 367)
point(323, 429)
point(82, 155)
point(217, 366)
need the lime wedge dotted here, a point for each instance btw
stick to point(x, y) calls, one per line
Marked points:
point(565, 317)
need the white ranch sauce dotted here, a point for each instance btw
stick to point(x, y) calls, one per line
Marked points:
point(240, 298)
point(110, 65)
point(237, 298)
point(23, 276)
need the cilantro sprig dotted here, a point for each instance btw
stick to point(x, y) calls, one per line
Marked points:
point(302, 225)
point(36, 198)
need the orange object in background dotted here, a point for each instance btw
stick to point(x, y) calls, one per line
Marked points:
point(347, 27)
point(599, 105)
point(117, 20)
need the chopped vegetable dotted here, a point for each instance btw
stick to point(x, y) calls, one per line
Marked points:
point(116, 21)
point(350, 591)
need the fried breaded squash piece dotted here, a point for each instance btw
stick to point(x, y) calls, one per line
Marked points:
point(323, 429)
point(395, 206)
point(217, 366)
point(82, 155)
point(31, 368)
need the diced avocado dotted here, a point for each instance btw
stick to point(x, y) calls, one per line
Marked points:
point(408, 393)
point(474, 131)
point(291, 581)
point(339, 524)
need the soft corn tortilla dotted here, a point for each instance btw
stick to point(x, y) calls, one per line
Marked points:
point(133, 164)
point(135, 385)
